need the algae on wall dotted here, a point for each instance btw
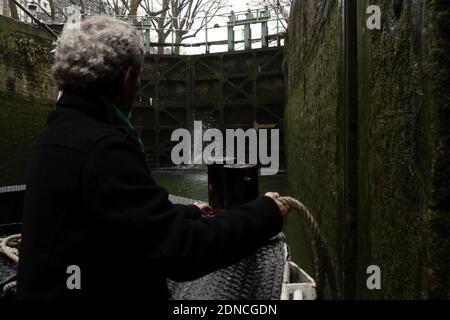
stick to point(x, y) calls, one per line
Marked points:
point(394, 155)
point(313, 57)
point(21, 122)
point(27, 93)
point(402, 221)
point(24, 61)
point(438, 245)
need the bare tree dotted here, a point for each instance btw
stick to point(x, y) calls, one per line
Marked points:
point(189, 17)
point(53, 9)
point(13, 10)
point(119, 7)
point(180, 17)
point(158, 11)
point(5, 8)
point(183, 19)
point(134, 5)
point(271, 3)
point(100, 6)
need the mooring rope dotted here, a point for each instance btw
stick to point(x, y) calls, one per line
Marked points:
point(323, 265)
point(9, 247)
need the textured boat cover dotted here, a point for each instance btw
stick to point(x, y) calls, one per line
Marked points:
point(8, 270)
point(257, 277)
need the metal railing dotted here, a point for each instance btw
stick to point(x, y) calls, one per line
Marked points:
point(205, 34)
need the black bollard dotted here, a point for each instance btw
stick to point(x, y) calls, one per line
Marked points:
point(216, 190)
point(241, 184)
point(215, 186)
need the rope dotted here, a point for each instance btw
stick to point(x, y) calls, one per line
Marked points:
point(323, 266)
point(9, 247)
point(12, 286)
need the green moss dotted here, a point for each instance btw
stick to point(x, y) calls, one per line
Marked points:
point(34, 52)
point(24, 60)
point(403, 219)
point(23, 110)
point(310, 117)
point(394, 107)
point(21, 121)
point(438, 267)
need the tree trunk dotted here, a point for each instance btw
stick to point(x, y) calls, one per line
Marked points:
point(52, 10)
point(134, 5)
point(13, 10)
point(178, 40)
point(161, 39)
point(83, 9)
point(161, 22)
point(5, 8)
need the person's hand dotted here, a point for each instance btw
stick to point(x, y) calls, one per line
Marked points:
point(204, 207)
point(283, 209)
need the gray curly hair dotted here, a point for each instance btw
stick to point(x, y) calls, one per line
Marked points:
point(95, 54)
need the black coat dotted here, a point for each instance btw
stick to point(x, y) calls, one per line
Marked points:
point(91, 202)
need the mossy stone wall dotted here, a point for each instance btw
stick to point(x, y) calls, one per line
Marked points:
point(27, 94)
point(313, 56)
point(401, 218)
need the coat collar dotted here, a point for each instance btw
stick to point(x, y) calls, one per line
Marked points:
point(100, 108)
point(91, 103)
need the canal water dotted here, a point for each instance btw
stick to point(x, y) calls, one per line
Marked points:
point(194, 184)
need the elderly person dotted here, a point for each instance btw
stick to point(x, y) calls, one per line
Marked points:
point(95, 223)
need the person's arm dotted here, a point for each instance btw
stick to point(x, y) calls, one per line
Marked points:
point(174, 238)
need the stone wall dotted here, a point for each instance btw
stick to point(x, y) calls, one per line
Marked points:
point(27, 93)
point(374, 171)
point(313, 56)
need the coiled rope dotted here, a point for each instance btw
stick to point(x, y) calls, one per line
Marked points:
point(324, 271)
point(9, 246)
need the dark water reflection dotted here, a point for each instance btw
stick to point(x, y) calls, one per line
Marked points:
point(193, 184)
